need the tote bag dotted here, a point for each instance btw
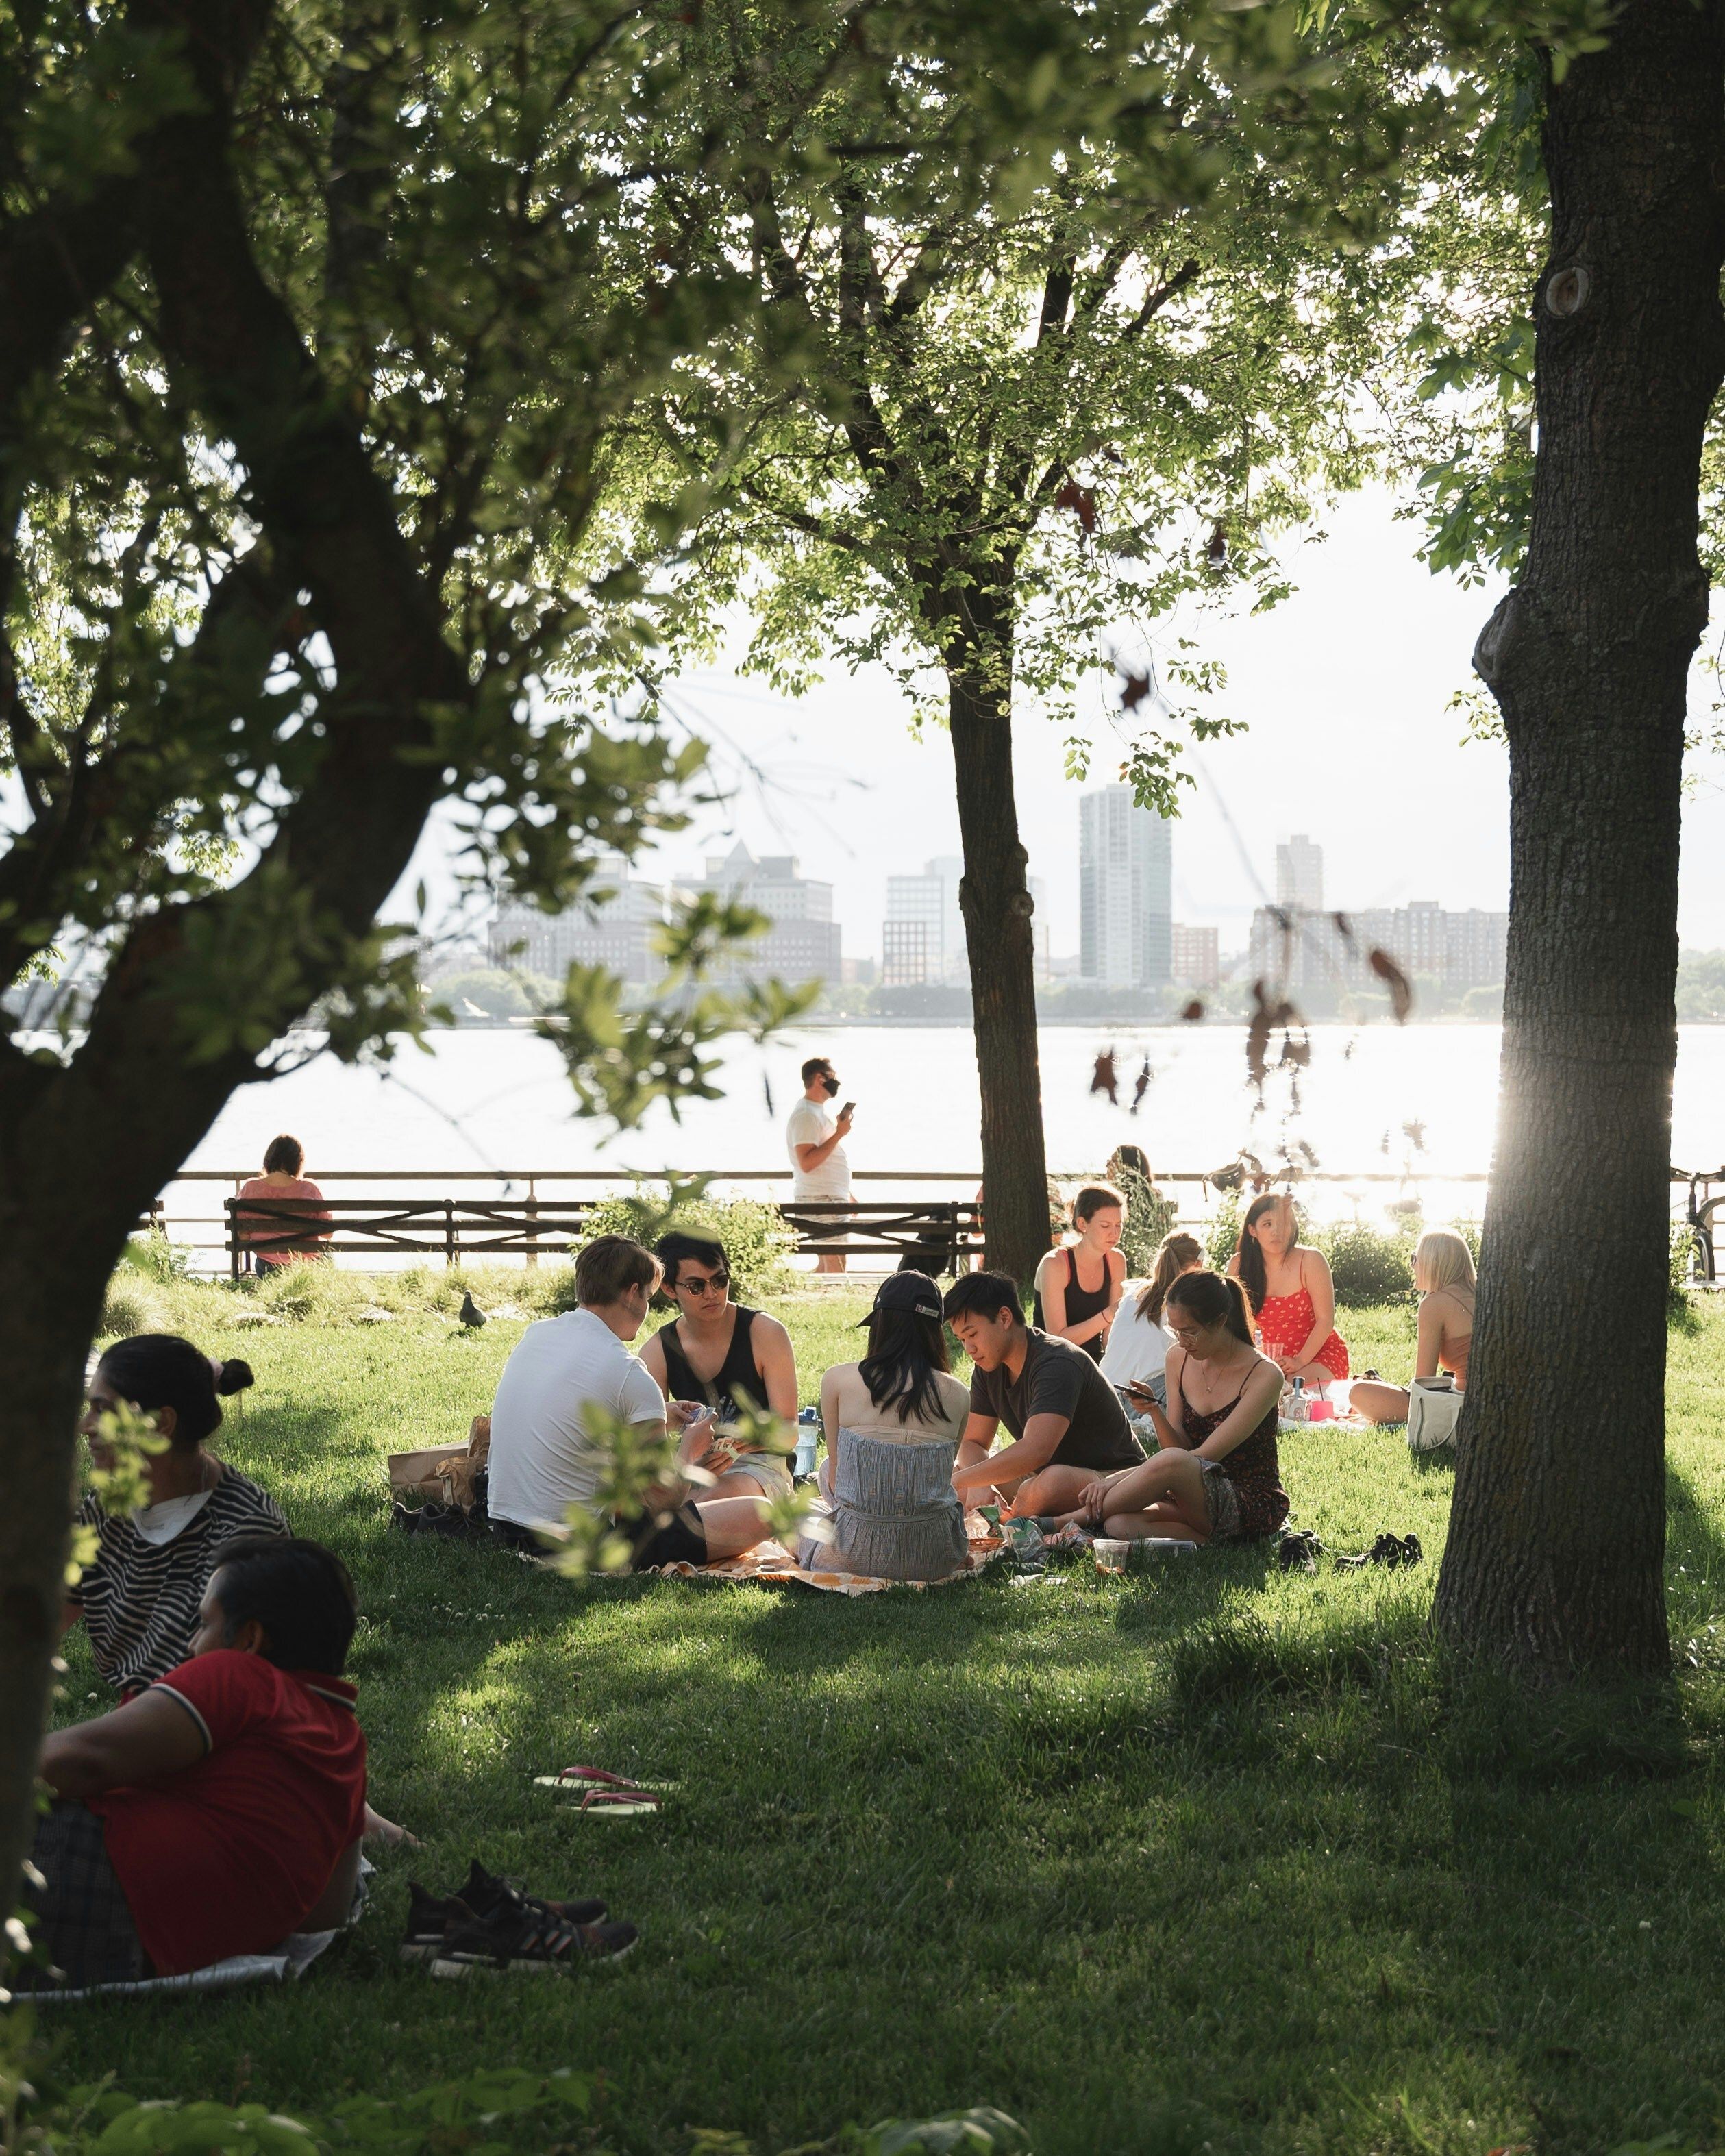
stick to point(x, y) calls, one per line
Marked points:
point(1433, 1412)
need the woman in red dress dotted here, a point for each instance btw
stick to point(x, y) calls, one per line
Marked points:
point(1292, 1296)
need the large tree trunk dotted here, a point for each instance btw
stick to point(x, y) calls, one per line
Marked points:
point(1556, 1541)
point(994, 897)
point(61, 1231)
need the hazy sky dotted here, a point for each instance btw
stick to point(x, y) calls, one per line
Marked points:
point(1344, 688)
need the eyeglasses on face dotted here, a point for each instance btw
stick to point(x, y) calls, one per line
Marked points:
point(696, 1284)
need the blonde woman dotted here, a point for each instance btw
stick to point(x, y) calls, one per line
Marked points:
point(1138, 1342)
point(1078, 1287)
point(1443, 1274)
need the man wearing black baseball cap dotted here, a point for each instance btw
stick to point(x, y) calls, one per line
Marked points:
point(1065, 1418)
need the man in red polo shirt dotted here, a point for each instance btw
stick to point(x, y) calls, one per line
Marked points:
point(221, 1808)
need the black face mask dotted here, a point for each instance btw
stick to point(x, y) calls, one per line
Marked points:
point(829, 1086)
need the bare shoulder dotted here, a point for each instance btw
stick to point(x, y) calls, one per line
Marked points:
point(770, 1328)
point(1308, 1256)
point(1117, 1264)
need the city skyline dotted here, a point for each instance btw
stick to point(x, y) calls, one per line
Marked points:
point(1351, 741)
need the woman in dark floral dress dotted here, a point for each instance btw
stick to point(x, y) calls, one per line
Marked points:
point(1217, 1478)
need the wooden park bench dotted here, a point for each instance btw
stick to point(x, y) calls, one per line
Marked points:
point(938, 1235)
point(449, 1228)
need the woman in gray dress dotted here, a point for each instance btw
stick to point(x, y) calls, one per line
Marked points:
point(892, 1423)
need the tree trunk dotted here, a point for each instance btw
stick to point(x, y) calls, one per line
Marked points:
point(994, 897)
point(1557, 1541)
point(56, 1253)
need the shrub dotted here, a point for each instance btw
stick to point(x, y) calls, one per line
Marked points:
point(1149, 1216)
point(1224, 1239)
point(1367, 1264)
point(314, 1290)
point(157, 1258)
point(756, 1238)
point(126, 1310)
point(1679, 1266)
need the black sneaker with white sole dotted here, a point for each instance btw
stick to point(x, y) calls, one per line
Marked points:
point(520, 1938)
point(483, 1893)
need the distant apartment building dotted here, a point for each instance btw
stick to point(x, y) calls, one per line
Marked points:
point(804, 942)
point(910, 958)
point(1194, 957)
point(921, 928)
point(922, 940)
point(1300, 874)
point(1125, 890)
point(617, 927)
point(1302, 949)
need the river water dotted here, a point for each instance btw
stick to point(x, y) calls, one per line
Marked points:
point(496, 1099)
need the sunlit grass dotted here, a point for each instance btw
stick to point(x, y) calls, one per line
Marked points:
point(1207, 1857)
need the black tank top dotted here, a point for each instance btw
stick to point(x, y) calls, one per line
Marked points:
point(736, 1373)
point(1081, 1302)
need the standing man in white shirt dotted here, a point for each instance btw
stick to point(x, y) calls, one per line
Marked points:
point(814, 1137)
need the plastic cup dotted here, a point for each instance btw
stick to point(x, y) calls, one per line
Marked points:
point(1110, 1556)
point(1320, 1411)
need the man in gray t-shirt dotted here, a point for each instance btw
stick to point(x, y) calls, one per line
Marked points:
point(1065, 1418)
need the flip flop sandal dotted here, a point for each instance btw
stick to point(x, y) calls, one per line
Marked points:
point(617, 1804)
point(587, 1778)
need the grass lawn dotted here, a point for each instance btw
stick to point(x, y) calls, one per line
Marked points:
point(1195, 1861)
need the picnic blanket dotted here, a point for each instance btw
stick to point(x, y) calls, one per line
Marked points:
point(286, 1962)
point(282, 1964)
point(772, 1564)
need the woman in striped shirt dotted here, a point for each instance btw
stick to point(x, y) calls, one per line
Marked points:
point(139, 1597)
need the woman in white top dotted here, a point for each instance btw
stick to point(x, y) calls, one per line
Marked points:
point(892, 1423)
point(1139, 1341)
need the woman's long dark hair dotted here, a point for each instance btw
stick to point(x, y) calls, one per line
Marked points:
point(1251, 1251)
point(905, 1354)
point(1213, 1300)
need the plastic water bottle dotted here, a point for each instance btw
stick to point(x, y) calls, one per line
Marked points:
point(1297, 1405)
point(808, 1436)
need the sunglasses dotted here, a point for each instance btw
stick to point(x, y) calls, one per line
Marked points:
point(692, 1284)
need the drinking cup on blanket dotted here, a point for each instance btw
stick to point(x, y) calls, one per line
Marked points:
point(1151, 1549)
point(1320, 1410)
point(1110, 1556)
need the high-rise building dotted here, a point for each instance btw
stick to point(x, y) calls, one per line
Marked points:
point(932, 900)
point(1194, 957)
point(616, 927)
point(1300, 874)
point(922, 939)
point(908, 958)
point(1125, 890)
point(803, 942)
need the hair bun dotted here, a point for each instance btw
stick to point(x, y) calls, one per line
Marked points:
point(235, 1376)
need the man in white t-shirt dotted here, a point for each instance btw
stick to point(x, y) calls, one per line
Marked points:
point(814, 1137)
point(543, 1458)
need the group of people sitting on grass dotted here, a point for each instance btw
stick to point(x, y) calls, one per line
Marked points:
point(1152, 1418)
point(221, 1805)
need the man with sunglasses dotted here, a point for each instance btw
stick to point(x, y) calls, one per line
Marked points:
point(815, 1137)
point(722, 1354)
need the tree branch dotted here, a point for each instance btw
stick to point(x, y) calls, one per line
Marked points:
point(1169, 288)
